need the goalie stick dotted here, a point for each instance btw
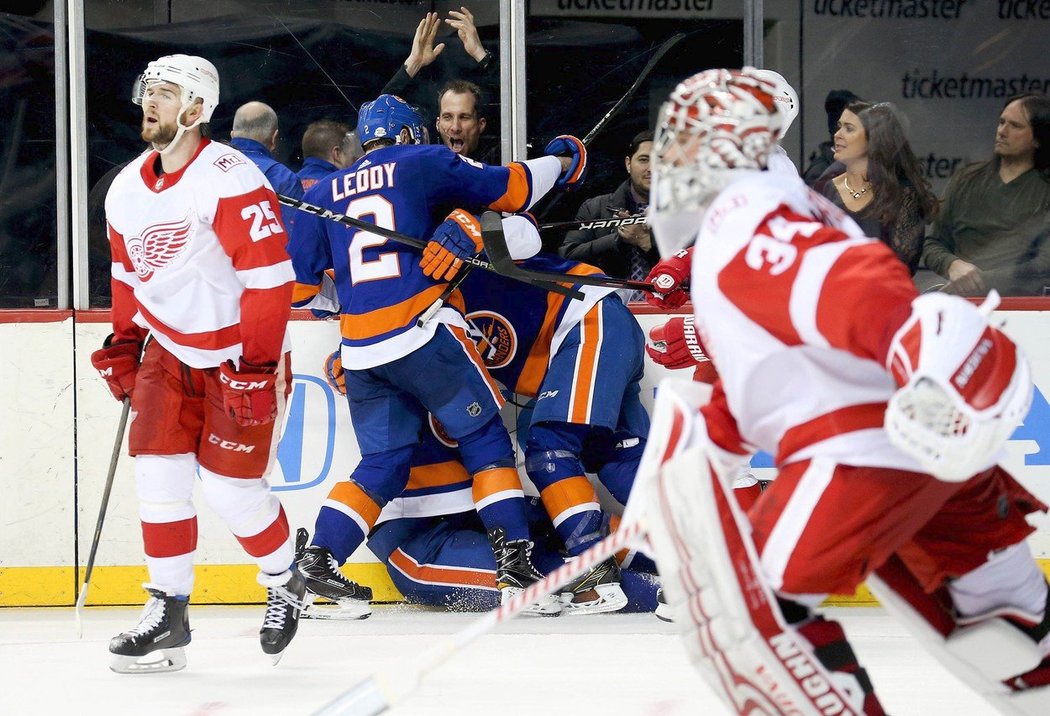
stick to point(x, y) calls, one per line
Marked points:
point(549, 284)
point(82, 597)
point(499, 253)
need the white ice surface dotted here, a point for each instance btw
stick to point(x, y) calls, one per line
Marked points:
point(588, 666)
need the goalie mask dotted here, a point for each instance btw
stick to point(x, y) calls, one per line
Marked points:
point(786, 98)
point(714, 125)
point(385, 117)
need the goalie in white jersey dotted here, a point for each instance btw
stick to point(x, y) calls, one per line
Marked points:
point(202, 288)
point(886, 412)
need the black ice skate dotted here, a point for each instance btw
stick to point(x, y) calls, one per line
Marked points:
point(343, 599)
point(663, 612)
point(595, 591)
point(284, 603)
point(155, 645)
point(515, 572)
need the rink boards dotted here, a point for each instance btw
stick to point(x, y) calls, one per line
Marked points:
point(57, 428)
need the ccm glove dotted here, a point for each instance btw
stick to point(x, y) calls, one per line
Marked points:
point(676, 344)
point(118, 364)
point(249, 394)
point(333, 372)
point(458, 237)
point(566, 145)
point(668, 277)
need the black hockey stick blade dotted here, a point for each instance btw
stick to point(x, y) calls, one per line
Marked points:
point(323, 213)
point(498, 252)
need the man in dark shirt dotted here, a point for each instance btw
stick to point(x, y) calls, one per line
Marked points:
point(626, 251)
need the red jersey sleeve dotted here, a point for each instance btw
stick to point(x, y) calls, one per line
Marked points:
point(250, 230)
point(124, 306)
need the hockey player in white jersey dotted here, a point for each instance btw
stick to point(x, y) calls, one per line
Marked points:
point(886, 412)
point(202, 288)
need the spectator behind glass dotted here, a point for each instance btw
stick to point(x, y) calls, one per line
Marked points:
point(323, 151)
point(254, 133)
point(626, 251)
point(823, 157)
point(459, 122)
point(995, 219)
point(882, 187)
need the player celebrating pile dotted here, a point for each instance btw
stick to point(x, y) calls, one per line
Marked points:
point(886, 412)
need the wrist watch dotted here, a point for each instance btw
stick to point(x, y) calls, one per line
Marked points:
point(485, 61)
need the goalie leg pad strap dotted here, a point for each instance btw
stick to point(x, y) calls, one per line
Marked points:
point(727, 614)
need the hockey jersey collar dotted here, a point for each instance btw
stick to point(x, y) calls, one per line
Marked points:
point(159, 182)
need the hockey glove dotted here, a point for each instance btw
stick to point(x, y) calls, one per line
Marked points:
point(566, 145)
point(249, 394)
point(118, 364)
point(458, 237)
point(333, 372)
point(668, 278)
point(676, 344)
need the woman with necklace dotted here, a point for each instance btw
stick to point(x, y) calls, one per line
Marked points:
point(883, 188)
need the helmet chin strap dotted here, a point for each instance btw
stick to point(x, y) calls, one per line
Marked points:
point(182, 129)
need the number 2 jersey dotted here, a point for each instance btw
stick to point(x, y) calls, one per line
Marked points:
point(199, 258)
point(797, 309)
point(381, 288)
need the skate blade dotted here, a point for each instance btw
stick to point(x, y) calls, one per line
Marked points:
point(157, 662)
point(341, 610)
point(609, 598)
point(548, 606)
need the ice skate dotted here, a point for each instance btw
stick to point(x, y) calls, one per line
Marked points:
point(596, 591)
point(284, 603)
point(515, 572)
point(155, 645)
point(663, 609)
point(343, 599)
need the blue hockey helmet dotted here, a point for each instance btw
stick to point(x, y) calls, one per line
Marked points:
point(385, 117)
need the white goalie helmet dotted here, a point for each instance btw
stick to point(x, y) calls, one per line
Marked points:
point(195, 75)
point(715, 124)
point(786, 97)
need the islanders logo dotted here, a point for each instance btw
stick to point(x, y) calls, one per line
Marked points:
point(440, 433)
point(495, 337)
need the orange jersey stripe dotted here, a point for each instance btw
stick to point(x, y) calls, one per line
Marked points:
point(382, 320)
point(437, 475)
point(431, 574)
point(495, 480)
point(535, 368)
point(586, 366)
point(518, 190)
point(349, 494)
point(567, 493)
point(304, 292)
point(471, 350)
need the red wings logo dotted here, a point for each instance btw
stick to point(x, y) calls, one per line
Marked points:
point(158, 246)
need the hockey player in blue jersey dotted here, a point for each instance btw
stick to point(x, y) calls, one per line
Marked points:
point(582, 361)
point(395, 367)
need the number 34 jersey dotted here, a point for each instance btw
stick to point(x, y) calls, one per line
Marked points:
point(381, 288)
point(199, 258)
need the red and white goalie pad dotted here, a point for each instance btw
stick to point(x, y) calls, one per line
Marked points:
point(965, 386)
point(726, 613)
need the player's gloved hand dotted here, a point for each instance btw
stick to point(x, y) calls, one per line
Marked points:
point(668, 277)
point(249, 393)
point(458, 237)
point(676, 344)
point(118, 364)
point(333, 372)
point(566, 145)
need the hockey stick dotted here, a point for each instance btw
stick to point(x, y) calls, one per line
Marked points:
point(498, 252)
point(82, 597)
point(595, 223)
point(548, 284)
point(382, 690)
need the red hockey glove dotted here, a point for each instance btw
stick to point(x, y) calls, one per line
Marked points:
point(676, 344)
point(333, 372)
point(249, 395)
point(566, 145)
point(668, 277)
point(118, 364)
point(458, 237)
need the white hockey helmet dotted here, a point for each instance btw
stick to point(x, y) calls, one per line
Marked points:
point(195, 75)
point(715, 124)
point(787, 97)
